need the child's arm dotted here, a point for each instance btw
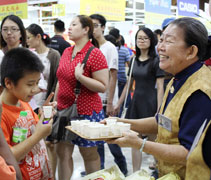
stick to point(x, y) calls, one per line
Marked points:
point(6, 153)
point(42, 130)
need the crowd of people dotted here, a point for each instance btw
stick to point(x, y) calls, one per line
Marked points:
point(173, 126)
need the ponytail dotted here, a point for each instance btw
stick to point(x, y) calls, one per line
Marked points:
point(46, 39)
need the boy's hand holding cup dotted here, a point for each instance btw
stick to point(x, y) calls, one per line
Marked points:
point(48, 112)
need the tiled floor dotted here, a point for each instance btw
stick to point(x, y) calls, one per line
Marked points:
point(78, 162)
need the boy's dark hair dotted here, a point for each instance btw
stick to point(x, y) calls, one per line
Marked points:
point(17, 62)
point(100, 18)
point(35, 29)
point(59, 26)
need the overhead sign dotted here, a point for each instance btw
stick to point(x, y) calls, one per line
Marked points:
point(16, 7)
point(58, 10)
point(156, 11)
point(112, 9)
point(188, 8)
point(158, 6)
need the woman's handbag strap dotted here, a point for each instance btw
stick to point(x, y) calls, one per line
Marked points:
point(129, 79)
point(78, 84)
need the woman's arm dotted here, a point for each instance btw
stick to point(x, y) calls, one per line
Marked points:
point(122, 97)
point(144, 126)
point(160, 92)
point(97, 83)
point(56, 92)
point(170, 153)
point(6, 153)
point(167, 152)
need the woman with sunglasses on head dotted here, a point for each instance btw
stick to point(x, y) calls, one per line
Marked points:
point(148, 79)
point(13, 35)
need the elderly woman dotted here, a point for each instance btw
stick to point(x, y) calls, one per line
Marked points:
point(186, 103)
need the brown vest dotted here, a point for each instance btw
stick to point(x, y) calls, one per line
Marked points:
point(196, 168)
point(199, 80)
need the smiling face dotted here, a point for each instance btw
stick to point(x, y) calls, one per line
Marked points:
point(25, 88)
point(11, 33)
point(173, 50)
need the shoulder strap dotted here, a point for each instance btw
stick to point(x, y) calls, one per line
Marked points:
point(129, 79)
point(78, 84)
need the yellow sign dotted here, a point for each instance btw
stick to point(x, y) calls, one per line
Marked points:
point(112, 9)
point(20, 10)
point(155, 18)
point(58, 10)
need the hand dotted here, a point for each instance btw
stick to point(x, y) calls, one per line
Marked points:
point(48, 103)
point(129, 139)
point(109, 110)
point(48, 100)
point(116, 110)
point(79, 70)
point(43, 130)
point(103, 122)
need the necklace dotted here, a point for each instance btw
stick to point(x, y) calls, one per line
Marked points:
point(73, 56)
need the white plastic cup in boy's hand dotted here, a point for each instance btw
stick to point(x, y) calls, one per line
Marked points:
point(47, 111)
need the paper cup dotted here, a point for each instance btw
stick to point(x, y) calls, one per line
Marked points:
point(47, 111)
point(111, 121)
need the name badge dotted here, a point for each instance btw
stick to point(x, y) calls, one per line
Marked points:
point(164, 122)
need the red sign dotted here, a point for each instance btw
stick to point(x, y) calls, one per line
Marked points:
point(6, 2)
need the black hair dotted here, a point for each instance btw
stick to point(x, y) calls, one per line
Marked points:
point(86, 21)
point(151, 36)
point(35, 29)
point(158, 31)
point(111, 38)
point(100, 18)
point(59, 26)
point(19, 22)
point(116, 33)
point(122, 41)
point(196, 34)
point(156, 38)
point(17, 62)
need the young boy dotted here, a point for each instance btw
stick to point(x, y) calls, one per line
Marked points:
point(20, 73)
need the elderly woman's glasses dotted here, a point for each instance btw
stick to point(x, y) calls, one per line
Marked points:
point(12, 29)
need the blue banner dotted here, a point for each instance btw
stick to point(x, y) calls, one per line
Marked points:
point(188, 7)
point(158, 6)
